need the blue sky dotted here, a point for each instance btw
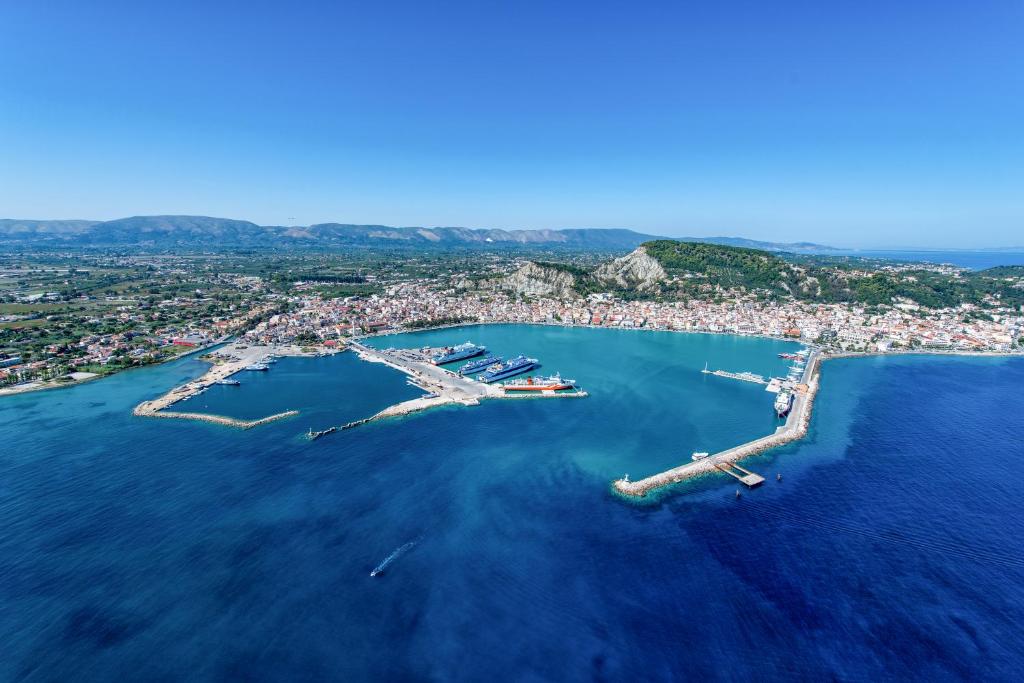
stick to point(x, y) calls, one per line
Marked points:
point(850, 123)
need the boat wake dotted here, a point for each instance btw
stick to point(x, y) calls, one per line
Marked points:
point(395, 554)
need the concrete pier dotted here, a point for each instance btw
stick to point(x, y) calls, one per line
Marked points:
point(745, 476)
point(443, 387)
point(742, 376)
point(794, 429)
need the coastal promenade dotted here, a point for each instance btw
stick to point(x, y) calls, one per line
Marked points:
point(794, 429)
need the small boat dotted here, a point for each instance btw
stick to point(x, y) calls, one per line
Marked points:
point(699, 455)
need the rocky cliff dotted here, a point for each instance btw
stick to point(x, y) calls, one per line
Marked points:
point(636, 270)
point(542, 280)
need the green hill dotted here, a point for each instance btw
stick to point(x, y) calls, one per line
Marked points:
point(724, 265)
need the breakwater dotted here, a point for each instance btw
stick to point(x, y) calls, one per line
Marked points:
point(795, 428)
point(216, 419)
point(444, 387)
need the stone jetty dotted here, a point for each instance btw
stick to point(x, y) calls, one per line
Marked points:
point(218, 419)
point(226, 361)
point(795, 428)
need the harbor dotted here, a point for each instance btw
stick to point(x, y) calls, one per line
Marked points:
point(227, 362)
point(795, 427)
point(426, 371)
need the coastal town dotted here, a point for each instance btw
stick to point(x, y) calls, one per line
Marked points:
point(161, 309)
point(842, 327)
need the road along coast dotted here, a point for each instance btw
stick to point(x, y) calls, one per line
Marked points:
point(795, 428)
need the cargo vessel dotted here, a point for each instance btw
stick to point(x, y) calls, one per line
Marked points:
point(479, 364)
point(553, 383)
point(510, 368)
point(783, 403)
point(450, 354)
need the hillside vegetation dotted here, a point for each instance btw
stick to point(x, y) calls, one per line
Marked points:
point(672, 269)
point(725, 266)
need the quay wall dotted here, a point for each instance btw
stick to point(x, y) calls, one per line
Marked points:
point(795, 428)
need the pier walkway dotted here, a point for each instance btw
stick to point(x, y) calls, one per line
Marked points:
point(742, 376)
point(794, 429)
point(745, 476)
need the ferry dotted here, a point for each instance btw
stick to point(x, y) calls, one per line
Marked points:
point(510, 368)
point(479, 364)
point(699, 455)
point(783, 403)
point(256, 367)
point(228, 382)
point(553, 383)
point(450, 354)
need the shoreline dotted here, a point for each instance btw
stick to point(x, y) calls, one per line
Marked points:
point(14, 391)
point(754, 335)
point(50, 384)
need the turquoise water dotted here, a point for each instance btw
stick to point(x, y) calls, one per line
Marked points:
point(172, 550)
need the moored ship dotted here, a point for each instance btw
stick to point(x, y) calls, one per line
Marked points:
point(479, 364)
point(256, 367)
point(450, 354)
point(553, 383)
point(511, 368)
point(783, 403)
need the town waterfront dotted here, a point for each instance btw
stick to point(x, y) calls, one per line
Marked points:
point(172, 549)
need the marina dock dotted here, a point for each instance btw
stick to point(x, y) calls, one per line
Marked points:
point(795, 428)
point(742, 376)
point(227, 361)
point(745, 476)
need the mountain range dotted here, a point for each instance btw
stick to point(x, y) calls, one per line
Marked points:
point(206, 233)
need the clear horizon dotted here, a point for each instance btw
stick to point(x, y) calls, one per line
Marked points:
point(867, 126)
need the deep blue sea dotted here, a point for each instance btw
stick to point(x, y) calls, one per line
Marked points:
point(146, 549)
point(975, 260)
